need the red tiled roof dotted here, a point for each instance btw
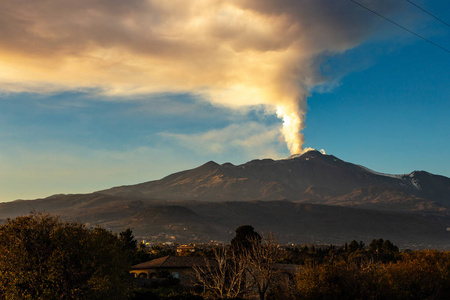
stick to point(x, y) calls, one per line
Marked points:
point(171, 262)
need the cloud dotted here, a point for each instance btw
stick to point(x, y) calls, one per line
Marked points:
point(52, 167)
point(235, 53)
point(249, 140)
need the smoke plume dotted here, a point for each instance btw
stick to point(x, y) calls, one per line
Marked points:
point(236, 53)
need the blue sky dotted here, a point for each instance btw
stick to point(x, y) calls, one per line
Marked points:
point(379, 98)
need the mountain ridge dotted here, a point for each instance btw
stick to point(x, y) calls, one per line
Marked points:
point(310, 198)
point(292, 178)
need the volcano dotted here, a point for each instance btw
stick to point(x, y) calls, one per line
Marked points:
point(310, 178)
point(308, 198)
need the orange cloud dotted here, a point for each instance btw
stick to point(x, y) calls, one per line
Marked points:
point(234, 53)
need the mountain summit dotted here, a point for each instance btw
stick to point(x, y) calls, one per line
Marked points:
point(311, 177)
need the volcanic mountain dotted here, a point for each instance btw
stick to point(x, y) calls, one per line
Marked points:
point(308, 198)
point(312, 177)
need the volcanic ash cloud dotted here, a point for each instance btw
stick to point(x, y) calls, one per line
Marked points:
point(237, 53)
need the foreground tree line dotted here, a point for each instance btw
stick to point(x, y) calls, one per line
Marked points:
point(42, 257)
point(351, 271)
point(415, 275)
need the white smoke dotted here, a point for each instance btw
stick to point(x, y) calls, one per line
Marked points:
point(236, 53)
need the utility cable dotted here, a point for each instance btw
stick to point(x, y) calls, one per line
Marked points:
point(402, 27)
point(422, 9)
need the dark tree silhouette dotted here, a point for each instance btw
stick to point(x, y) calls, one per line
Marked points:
point(245, 237)
point(353, 246)
point(128, 240)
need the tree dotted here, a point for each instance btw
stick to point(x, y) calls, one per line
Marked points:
point(248, 264)
point(375, 245)
point(134, 253)
point(42, 257)
point(389, 247)
point(353, 246)
point(262, 259)
point(224, 276)
point(128, 240)
point(417, 275)
point(244, 238)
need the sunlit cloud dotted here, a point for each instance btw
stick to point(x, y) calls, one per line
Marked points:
point(235, 53)
point(248, 140)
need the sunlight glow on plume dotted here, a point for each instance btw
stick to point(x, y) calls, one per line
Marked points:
point(237, 53)
point(291, 129)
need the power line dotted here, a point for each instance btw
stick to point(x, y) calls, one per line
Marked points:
point(402, 27)
point(428, 12)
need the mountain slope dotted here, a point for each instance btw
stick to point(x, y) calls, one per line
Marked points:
point(311, 177)
point(319, 199)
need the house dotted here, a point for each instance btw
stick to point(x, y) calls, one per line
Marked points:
point(185, 250)
point(180, 267)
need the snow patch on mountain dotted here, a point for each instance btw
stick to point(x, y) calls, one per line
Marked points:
point(381, 174)
point(312, 149)
point(415, 183)
point(306, 150)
